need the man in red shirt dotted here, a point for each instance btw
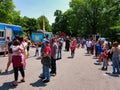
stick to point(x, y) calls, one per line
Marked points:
point(46, 61)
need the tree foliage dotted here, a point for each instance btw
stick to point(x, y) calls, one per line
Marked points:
point(87, 17)
point(7, 11)
point(9, 15)
point(83, 18)
point(57, 25)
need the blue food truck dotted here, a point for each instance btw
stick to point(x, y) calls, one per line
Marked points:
point(39, 35)
point(8, 30)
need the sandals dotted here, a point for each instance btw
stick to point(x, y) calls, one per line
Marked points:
point(22, 80)
point(13, 84)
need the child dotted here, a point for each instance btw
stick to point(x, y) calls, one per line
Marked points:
point(105, 58)
point(73, 47)
point(37, 50)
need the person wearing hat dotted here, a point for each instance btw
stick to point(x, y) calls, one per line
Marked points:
point(46, 62)
point(43, 45)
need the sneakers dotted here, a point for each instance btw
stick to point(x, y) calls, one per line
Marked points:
point(52, 73)
point(105, 69)
point(42, 77)
point(46, 81)
point(102, 68)
point(115, 72)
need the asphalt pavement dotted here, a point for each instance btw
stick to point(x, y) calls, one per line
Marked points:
point(78, 73)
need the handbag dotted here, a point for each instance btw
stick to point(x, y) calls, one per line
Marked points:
point(16, 60)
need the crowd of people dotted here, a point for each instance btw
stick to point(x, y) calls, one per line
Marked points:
point(51, 50)
point(103, 51)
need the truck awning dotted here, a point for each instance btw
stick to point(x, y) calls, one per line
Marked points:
point(3, 26)
point(14, 28)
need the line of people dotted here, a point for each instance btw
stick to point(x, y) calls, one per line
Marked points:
point(105, 52)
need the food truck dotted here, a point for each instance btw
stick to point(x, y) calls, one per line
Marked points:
point(8, 30)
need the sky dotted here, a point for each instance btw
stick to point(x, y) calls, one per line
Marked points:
point(36, 8)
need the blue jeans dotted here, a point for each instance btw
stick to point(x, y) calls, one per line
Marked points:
point(115, 61)
point(46, 72)
point(59, 53)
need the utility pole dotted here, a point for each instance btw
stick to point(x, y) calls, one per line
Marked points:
point(43, 24)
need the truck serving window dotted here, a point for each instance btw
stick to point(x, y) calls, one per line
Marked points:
point(1, 34)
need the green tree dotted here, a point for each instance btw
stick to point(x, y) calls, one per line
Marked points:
point(56, 26)
point(7, 11)
point(17, 19)
point(29, 25)
point(93, 16)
